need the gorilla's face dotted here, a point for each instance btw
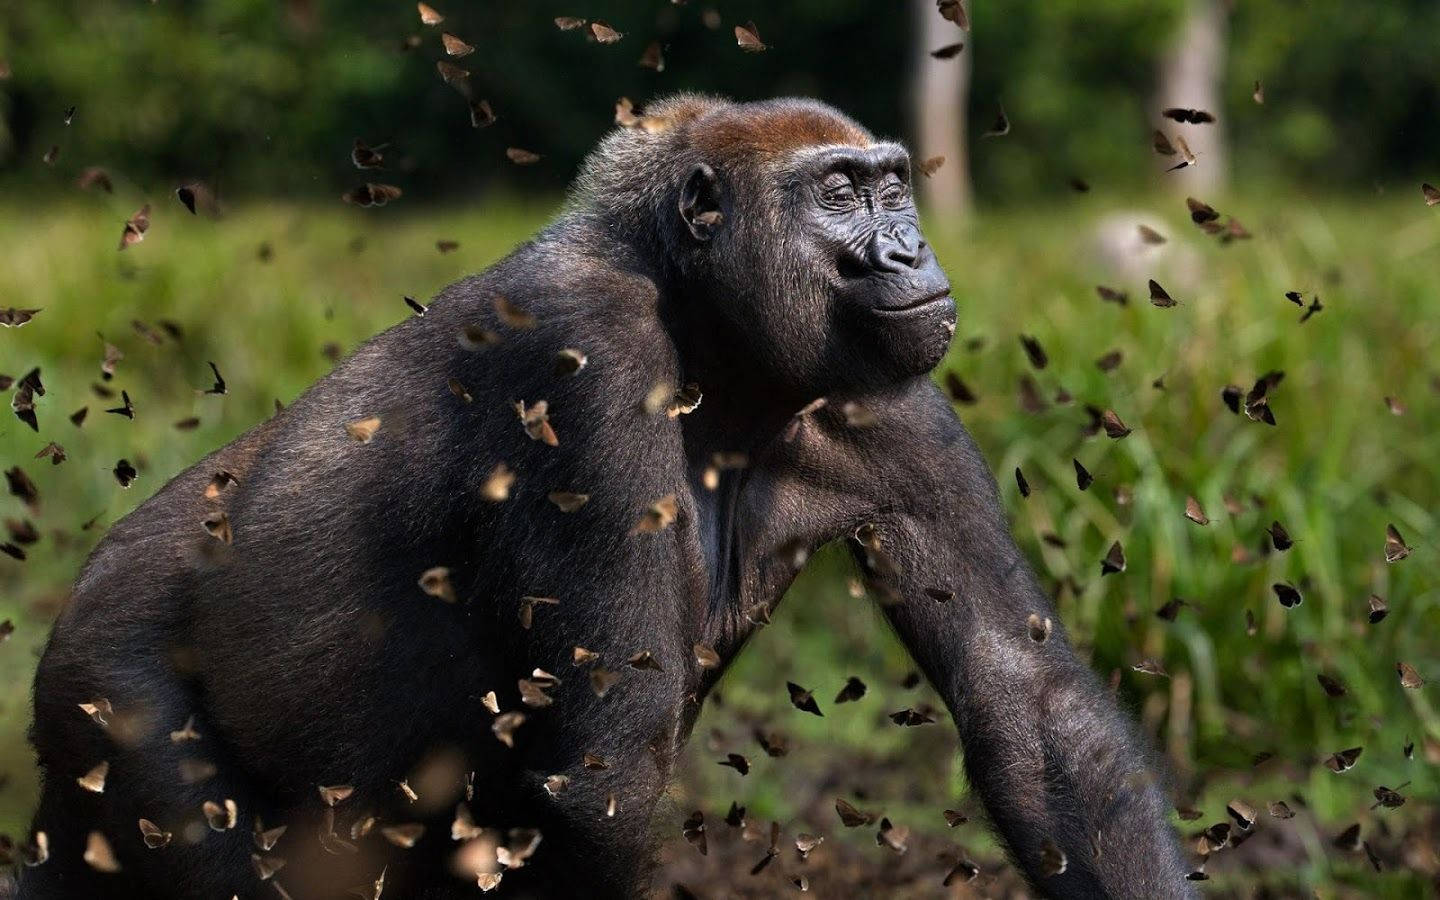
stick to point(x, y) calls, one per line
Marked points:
point(819, 264)
point(890, 300)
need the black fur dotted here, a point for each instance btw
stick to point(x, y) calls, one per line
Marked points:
point(310, 656)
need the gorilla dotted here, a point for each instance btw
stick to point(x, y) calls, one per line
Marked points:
point(441, 626)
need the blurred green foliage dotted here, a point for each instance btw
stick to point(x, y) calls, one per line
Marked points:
point(266, 97)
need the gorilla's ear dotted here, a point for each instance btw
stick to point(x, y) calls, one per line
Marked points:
point(700, 203)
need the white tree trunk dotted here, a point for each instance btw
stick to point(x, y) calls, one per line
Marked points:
point(940, 91)
point(1193, 76)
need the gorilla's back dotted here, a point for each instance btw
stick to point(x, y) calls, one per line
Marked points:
point(329, 535)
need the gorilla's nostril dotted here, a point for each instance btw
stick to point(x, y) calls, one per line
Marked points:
point(899, 258)
point(898, 250)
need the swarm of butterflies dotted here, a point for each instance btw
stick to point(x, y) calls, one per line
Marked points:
point(942, 863)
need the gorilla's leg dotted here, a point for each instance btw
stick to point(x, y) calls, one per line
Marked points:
point(65, 874)
point(151, 775)
point(597, 827)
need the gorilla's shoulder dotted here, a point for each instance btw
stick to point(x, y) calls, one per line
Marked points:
point(572, 272)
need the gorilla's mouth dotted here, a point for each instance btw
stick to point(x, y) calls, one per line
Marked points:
point(939, 297)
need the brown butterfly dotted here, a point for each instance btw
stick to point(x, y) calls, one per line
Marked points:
point(1200, 213)
point(627, 114)
point(451, 73)
point(1001, 126)
point(1395, 547)
point(153, 836)
point(455, 46)
point(522, 157)
point(429, 15)
point(1409, 678)
point(365, 156)
point(1171, 609)
point(1332, 687)
point(1431, 194)
point(1159, 297)
point(1232, 394)
point(367, 195)
point(958, 390)
point(1342, 760)
point(735, 818)
point(186, 193)
point(1034, 351)
point(95, 176)
point(1288, 595)
point(802, 699)
point(1242, 812)
point(1193, 116)
point(747, 36)
point(645, 660)
point(1111, 295)
point(1187, 155)
point(1279, 537)
point(1389, 798)
point(954, 12)
point(853, 690)
point(1115, 427)
point(774, 744)
point(737, 762)
point(1039, 628)
point(1052, 860)
point(896, 837)
point(1114, 561)
point(1150, 667)
point(1378, 609)
point(127, 409)
point(135, 227)
point(693, 830)
point(481, 114)
point(963, 872)
point(603, 33)
point(653, 57)
point(1194, 512)
point(910, 717)
point(1150, 236)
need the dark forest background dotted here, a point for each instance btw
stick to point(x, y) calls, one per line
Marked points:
point(264, 97)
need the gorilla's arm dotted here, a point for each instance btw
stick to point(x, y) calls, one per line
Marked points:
point(1052, 757)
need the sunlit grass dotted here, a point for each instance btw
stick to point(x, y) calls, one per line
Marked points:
point(1335, 470)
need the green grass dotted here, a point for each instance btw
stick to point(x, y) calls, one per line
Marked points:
point(1335, 470)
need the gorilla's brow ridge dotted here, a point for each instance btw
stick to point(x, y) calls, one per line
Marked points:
point(880, 149)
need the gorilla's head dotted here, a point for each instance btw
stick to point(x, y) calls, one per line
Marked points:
point(788, 235)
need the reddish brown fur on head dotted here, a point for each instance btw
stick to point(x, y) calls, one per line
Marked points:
point(722, 130)
point(774, 128)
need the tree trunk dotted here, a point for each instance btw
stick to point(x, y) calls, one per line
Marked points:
point(940, 91)
point(1192, 76)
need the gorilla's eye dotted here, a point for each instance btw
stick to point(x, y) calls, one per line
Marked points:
point(893, 193)
point(837, 191)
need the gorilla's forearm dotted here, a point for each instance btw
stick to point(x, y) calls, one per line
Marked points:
point(1058, 765)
